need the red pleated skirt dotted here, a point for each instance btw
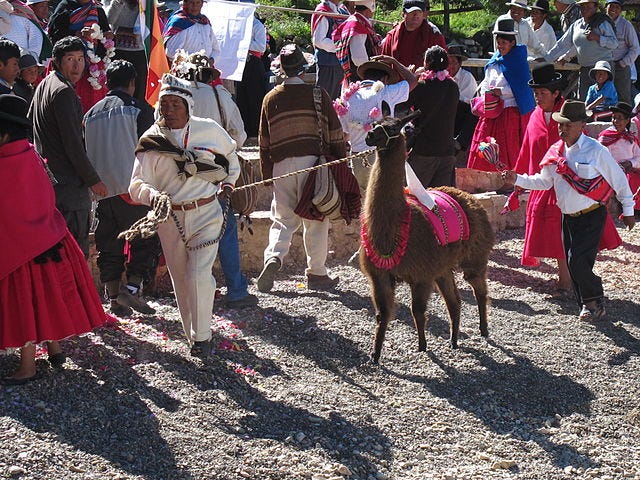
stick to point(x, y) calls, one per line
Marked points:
point(508, 130)
point(49, 301)
point(543, 229)
point(634, 183)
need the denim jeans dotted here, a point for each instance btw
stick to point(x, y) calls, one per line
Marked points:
point(229, 255)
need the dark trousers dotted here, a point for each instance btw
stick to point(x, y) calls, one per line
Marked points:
point(115, 215)
point(78, 225)
point(465, 125)
point(330, 78)
point(250, 93)
point(434, 171)
point(581, 236)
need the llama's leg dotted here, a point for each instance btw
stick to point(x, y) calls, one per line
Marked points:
point(383, 296)
point(451, 295)
point(478, 282)
point(420, 293)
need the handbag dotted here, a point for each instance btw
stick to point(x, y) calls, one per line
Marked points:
point(244, 201)
point(487, 105)
point(326, 197)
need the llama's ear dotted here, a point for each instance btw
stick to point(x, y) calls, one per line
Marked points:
point(413, 115)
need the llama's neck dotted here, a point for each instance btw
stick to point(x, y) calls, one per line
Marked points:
point(385, 202)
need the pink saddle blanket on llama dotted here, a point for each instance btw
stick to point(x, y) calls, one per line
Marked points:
point(448, 219)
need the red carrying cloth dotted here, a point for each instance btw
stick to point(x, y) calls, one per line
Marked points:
point(508, 129)
point(322, 7)
point(347, 186)
point(409, 47)
point(608, 137)
point(49, 301)
point(31, 224)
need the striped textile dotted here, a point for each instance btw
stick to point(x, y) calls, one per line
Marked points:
point(356, 24)
point(83, 16)
point(596, 188)
point(180, 21)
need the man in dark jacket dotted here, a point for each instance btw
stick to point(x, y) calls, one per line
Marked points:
point(57, 120)
point(120, 116)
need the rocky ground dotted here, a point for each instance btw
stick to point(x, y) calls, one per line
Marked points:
point(290, 393)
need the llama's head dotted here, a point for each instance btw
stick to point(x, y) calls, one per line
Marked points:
point(388, 129)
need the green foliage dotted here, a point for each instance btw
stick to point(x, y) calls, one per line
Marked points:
point(297, 26)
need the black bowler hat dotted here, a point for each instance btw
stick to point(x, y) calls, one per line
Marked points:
point(541, 5)
point(623, 108)
point(545, 76)
point(14, 109)
point(505, 26)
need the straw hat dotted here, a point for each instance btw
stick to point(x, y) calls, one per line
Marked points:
point(518, 3)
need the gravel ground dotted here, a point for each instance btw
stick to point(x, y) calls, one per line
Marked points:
point(290, 393)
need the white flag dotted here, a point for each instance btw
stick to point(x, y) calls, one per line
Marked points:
point(232, 24)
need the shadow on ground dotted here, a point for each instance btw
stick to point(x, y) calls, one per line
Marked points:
point(522, 399)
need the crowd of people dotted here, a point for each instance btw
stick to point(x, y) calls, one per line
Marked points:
point(73, 83)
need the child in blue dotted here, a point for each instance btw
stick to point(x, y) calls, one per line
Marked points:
point(603, 87)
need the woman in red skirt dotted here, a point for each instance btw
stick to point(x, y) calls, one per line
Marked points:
point(46, 291)
point(543, 228)
point(505, 76)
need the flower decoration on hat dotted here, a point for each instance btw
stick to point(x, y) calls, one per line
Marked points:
point(341, 105)
point(98, 66)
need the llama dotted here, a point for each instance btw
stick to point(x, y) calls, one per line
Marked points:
point(425, 261)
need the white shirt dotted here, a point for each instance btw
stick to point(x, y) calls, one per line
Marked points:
point(524, 36)
point(362, 102)
point(193, 39)
point(205, 105)
point(466, 84)
point(588, 158)
point(494, 78)
point(544, 35)
point(622, 151)
point(358, 49)
point(25, 34)
point(319, 36)
point(258, 37)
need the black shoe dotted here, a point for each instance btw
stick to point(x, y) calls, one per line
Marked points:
point(322, 282)
point(126, 298)
point(57, 360)
point(247, 301)
point(202, 350)
point(268, 274)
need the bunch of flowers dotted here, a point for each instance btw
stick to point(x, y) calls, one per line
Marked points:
point(98, 66)
point(430, 75)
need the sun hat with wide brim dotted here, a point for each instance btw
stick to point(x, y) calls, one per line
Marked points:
point(544, 75)
point(572, 111)
point(579, 2)
point(518, 3)
point(14, 109)
point(394, 77)
point(370, 4)
point(623, 108)
point(602, 66)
